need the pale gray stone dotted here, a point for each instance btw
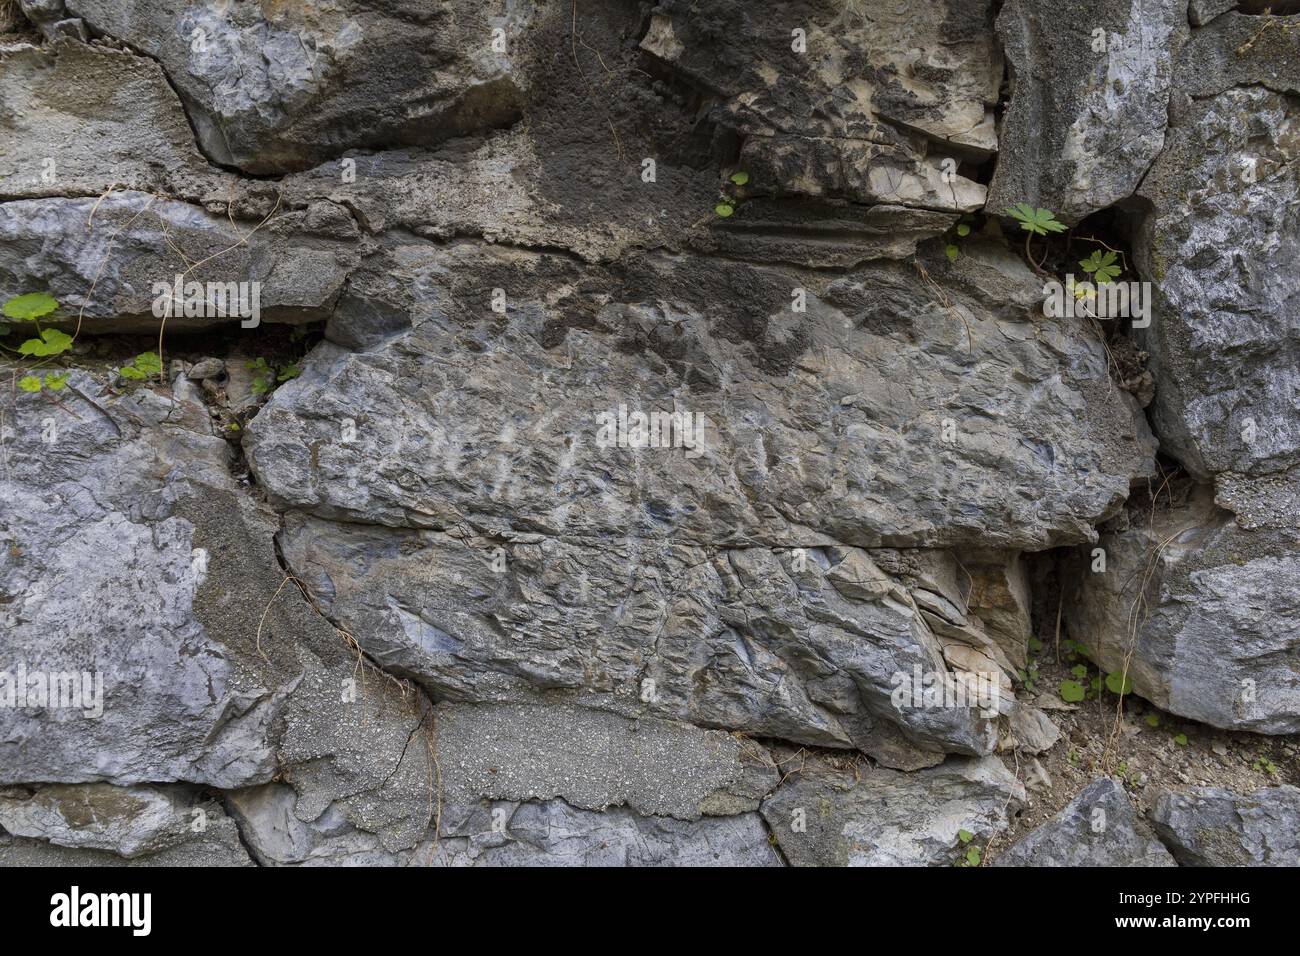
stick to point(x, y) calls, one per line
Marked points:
point(277, 89)
point(1207, 609)
point(1210, 826)
point(1083, 125)
point(1097, 828)
point(825, 815)
point(552, 833)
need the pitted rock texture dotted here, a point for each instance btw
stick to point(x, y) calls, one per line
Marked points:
point(847, 816)
point(1207, 826)
point(273, 87)
point(415, 594)
point(1203, 610)
point(1089, 103)
point(1221, 242)
point(1098, 828)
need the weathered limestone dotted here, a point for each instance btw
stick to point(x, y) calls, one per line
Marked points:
point(1090, 86)
point(1098, 828)
point(1206, 606)
point(1209, 826)
point(829, 816)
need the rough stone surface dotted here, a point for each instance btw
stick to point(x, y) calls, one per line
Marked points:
point(1220, 244)
point(596, 760)
point(101, 258)
point(867, 110)
point(1098, 828)
point(552, 833)
point(835, 407)
point(1207, 607)
point(1208, 826)
point(211, 673)
point(856, 816)
point(272, 88)
point(375, 582)
point(128, 821)
point(83, 119)
point(1087, 114)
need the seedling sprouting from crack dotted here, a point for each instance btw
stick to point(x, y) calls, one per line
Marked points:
point(727, 202)
point(1035, 222)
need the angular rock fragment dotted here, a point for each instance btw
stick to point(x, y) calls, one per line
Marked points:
point(807, 426)
point(1210, 826)
point(1090, 85)
point(83, 120)
point(1220, 245)
point(829, 816)
point(862, 103)
point(113, 264)
point(552, 833)
point(1098, 828)
point(1206, 607)
point(739, 639)
point(183, 656)
point(128, 821)
point(1237, 51)
point(279, 88)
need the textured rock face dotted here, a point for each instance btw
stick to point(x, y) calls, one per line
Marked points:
point(102, 257)
point(1206, 826)
point(1089, 102)
point(276, 87)
point(176, 659)
point(84, 118)
point(832, 406)
point(1206, 607)
point(1098, 828)
point(841, 817)
point(552, 833)
point(861, 101)
point(659, 463)
point(1222, 241)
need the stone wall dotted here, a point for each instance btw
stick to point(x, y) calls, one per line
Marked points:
point(375, 564)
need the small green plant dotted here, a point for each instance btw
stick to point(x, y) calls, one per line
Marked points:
point(1180, 740)
point(31, 307)
point(1119, 683)
point(266, 376)
point(1153, 720)
point(143, 366)
point(972, 856)
point(263, 376)
point(952, 250)
point(1029, 675)
point(1035, 222)
point(727, 202)
point(1072, 691)
point(1101, 266)
point(1073, 648)
point(1264, 765)
point(47, 343)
